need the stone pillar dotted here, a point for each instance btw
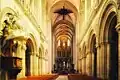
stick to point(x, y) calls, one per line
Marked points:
point(90, 63)
point(19, 50)
point(40, 65)
point(35, 64)
point(43, 65)
point(31, 64)
point(34, 60)
point(92, 59)
point(107, 69)
point(98, 61)
point(80, 66)
point(23, 48)
point(82, 61)
point(118, 30)
point(84, 64)
point(104, 60)
point(19, 55)
point(101, 56)
point(87, 66)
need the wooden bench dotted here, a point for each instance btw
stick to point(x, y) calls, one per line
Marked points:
point(82, 77)
point(41, 77)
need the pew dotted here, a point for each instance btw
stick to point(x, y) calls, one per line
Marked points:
point(41, 77)
point(82, 77)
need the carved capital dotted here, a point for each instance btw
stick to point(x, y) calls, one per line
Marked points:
point(118, 4)
point(103, 43)
point(118, 28)
point(23, 46)
point(1, 33)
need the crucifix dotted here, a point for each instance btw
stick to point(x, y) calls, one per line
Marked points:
point(63, 11)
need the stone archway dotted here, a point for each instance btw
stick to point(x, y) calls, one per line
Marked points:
point(113, 40)
point(108, 42)
point(84, 59)
point(111, 47)
point(28, 52)
point(94, 55)
point(91, 45)
point(29, 55)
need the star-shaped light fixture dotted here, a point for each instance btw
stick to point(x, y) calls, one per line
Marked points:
point(63, 11)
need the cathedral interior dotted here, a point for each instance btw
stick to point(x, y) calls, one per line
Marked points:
point(59, 39)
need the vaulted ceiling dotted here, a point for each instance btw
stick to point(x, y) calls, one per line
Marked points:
point(63, 15)
point(69, 5)
point(76, 3)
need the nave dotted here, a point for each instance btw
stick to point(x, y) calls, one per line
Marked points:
point(59, 39)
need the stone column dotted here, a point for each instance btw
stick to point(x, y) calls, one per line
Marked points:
point(19, 55)
point(104, 59)
point(101, 56)
point(43, 65)
point(92, 54)
point(87, 66)
point(98, 60)
point(40, 65)
point(79, 65)
point(82, 65)
point(23, 48)
point(118, 30)
point(90, 63)
point(35, 63)
point(19, 49)
point(31, 64)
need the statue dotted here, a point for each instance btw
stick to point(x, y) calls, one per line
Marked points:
point(7, 46)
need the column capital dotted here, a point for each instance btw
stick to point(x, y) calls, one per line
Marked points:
point(103, 43)
point(118, 28)
point(118, 2)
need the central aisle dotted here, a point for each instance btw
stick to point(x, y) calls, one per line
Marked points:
point(62, 77)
